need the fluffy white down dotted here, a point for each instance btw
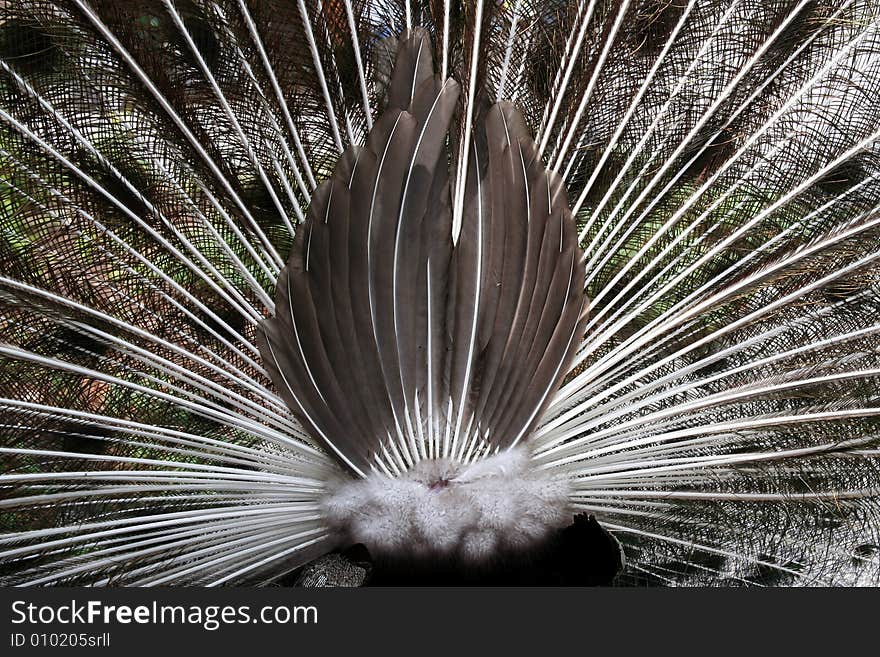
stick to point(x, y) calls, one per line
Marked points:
point(446, 509)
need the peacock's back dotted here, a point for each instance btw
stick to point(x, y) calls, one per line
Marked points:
point(532, 259)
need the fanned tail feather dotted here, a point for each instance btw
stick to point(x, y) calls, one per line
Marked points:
point(638, 239)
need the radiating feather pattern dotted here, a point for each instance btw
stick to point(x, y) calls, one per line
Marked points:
point(471, 374)
point(159, 159)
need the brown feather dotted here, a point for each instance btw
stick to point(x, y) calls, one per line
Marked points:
point(374, 353)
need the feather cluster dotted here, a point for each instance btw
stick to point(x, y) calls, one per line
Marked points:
point(441, 509)
point(268, 268)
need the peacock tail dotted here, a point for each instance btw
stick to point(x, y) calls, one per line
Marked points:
point(434, 277)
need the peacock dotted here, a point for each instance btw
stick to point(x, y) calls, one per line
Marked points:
point(579, 291)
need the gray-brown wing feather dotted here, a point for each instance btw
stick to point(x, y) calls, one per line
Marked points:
point(384, 329)
point(355, 368)
point(531, 303)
